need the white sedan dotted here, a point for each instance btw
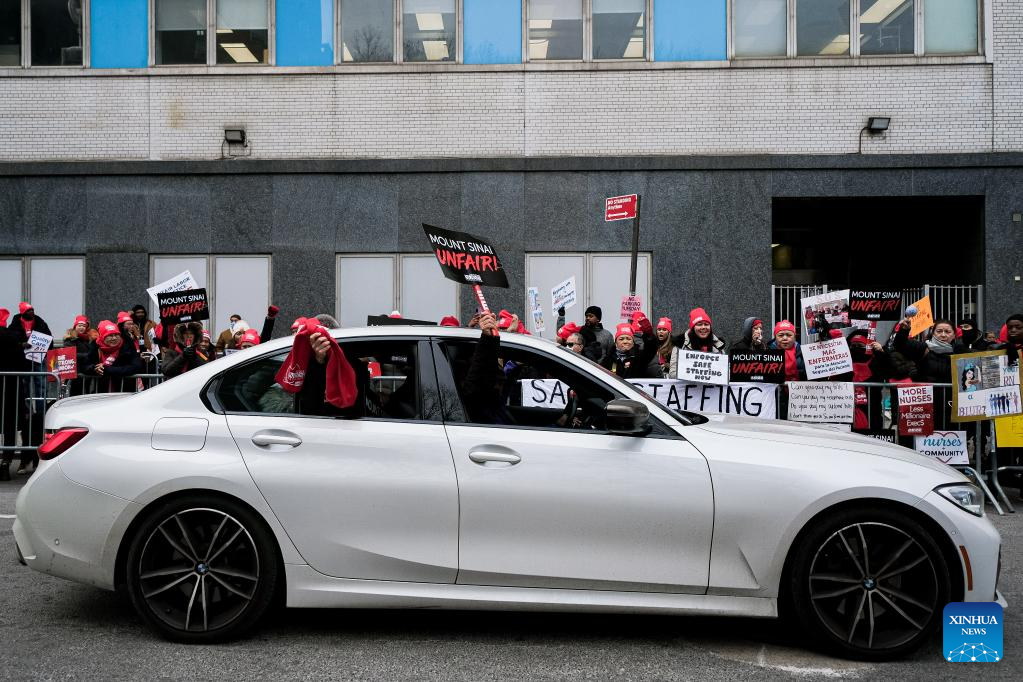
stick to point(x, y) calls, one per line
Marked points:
point(214, 494)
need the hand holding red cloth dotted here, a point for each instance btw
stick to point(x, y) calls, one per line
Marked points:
point(342, 390)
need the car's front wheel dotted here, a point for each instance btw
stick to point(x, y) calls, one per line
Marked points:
point(869, 585)
point(201, 569)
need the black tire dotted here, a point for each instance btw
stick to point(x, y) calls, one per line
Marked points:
point(873, 605)
point(202, 569)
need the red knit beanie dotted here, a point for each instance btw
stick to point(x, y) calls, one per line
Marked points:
point(624, 329)
point(664, 323)
point(784, 326)
point(567, 331)
point(450, 321)
point(697, 315)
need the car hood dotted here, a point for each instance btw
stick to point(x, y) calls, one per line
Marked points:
point(778, 431)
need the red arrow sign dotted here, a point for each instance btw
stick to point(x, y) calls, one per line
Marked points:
point(620, 208)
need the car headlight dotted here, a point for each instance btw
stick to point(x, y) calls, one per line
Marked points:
point(963, 495)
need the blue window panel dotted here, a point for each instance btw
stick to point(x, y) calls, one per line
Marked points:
point(305, 32)
point(120, 34)
point(492, 31)
point(690, 30)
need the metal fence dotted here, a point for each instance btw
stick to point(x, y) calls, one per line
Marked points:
point(955, 302)
point(786, 305)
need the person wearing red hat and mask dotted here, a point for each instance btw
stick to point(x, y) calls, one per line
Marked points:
point(700, 335)
point(12, 358)
point(186, 354)
point(113, 358)
point(23, 324)
point(626, 360)
point(752, 336)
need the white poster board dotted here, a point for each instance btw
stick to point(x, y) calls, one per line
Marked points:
point(38, 343)
point(821, 402)
point(827, 358)
point(948, 447)
point(180, 282)
point(702, 368)
point(563, 295)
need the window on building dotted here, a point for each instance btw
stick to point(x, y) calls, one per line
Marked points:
point(555, 29)
point(243, 35)
point(760, 28)
point(56, 32)
point(822, 27)
point(234, 284)
point(11, 284)
point(601, 279)
point(887, 27)
point(180, 31)
point(619, 29)
point(367, 31)
point(377, 284)
point(55, 287)
point(951, 27)
point(428, 30)
point(10, 32)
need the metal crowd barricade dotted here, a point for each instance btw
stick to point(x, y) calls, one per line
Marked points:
point(954, 302)
point(882, 414)
point(786, 304)
point(94, 384)
point(24, 399)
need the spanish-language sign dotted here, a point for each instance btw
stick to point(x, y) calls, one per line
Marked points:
point(821, 402)
point(535, 310)
point(630, 305)
point(875, 305)
point(180, 282)
point(984, 385)
point(948, 447)
point(831, 309)
point(826, 358)
point(923, 319)
point(183, 306)
point(748, 400)
point(620, 208)
point(916, 410)
point(563, 295)
point(702, 368)
point(63, 361)
point(767, 366)
point(38, 343)
point(466, 259)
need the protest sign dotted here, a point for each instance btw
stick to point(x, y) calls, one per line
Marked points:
point(702, 368)
point(387, 320)
point(827, 358)
point(984, 385)
point(563, 295)
point(63, 361)
point(821, 402)
point(630, 304)
point(533, 297)
point(374, 369)
point(886, 436)
point(466, 259)
point(180, 282)
point(767, 366)
point(948, 447)
point(923, 319)
point(826, 310)
point(38, 343)
point(875, 305)
point(916, 410)
point(1009, 432)
point(748, 400)
point(183, 306)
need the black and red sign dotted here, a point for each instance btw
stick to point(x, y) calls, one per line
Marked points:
point(183, 306)
point(766, 366)
point(875, 305)
point(466, 259)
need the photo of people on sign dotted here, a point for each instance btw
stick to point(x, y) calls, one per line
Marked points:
point(826, 311)
point(466, 259)
point(767, 366)
point(875, 305)
point(183, 306)
point(985, 386)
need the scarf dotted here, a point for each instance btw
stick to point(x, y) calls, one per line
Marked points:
point(791, 365)
point(107, 356)
point(939, 347)
point(341, 388)
point(27, 325)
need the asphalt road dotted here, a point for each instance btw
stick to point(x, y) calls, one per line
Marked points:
point(52, 629)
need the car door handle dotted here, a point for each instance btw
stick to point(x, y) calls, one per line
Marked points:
point(484, 456)
point(266, 438)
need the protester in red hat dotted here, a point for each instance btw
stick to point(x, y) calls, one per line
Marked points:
point(5, 314)
point(12, 358)
point(113, 358)
point(186, 353)
point(659, 366)
point(752, 338)
point(249, 339)
point(206, 346)
point(22, 325)
point(80, 337)
point(785, 339)
point(450, 321)
point(627, 361)
point(700, 335)
point(126, 324)
point(566, 331)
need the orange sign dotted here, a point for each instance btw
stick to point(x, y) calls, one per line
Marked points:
point(924, 318)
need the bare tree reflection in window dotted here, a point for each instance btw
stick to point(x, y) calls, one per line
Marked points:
point(370, 45)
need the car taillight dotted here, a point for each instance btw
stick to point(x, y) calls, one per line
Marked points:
point(59, 441)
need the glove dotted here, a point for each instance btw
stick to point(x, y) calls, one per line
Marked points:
point(272, 311)
point(189, 352)
point(645, 326)
point(561, 311)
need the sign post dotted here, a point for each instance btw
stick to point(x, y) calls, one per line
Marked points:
point(623, 208)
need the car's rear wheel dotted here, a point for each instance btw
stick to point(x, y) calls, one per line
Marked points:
point(202, 569)
point(869, 585)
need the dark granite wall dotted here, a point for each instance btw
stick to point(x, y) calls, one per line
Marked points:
point(707, 222)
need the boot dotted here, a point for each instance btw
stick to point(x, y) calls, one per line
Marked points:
point(5, 471)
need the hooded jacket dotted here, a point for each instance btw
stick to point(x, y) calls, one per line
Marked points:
point(21, 336)
point(183, 358)
point(746, 342)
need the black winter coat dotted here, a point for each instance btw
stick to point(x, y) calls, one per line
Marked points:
point(21, 337)
point(115, 377)
point(636, 363)
point(931, 367)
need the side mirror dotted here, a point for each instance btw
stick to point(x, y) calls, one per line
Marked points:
point(627, 417)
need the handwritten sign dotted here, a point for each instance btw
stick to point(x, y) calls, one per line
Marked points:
point(702, 368)
point(827, 358)
point(821, 402)
point(38, 344)
point(630, 305)
point(563, 295)
point(948, 447)
point(924, 318)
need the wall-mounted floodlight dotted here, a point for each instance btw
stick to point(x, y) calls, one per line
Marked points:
point(237, 135)
point(876, 125)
